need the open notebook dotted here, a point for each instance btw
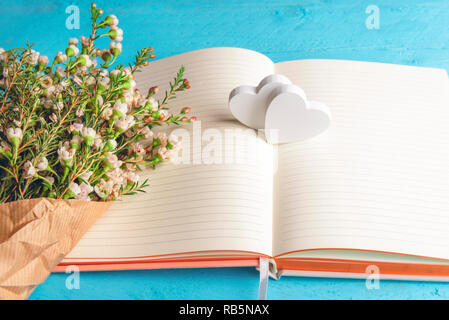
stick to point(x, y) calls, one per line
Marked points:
point(372, 190)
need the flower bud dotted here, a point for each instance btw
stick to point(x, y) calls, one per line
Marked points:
point(28, 170)
point(115, 48)
point(43, 61)
point(50, 179)
point(185, 110)
point(60, 57)
point(106, 55)
point(73, 41)
point(76, 128)
point(73, 191)
point(116, 34)
point(84, 41)
point(111, 20)
point(111, 144)
point(60, 72)
point(119, 110)
point(84, 61)
point(3, 55)
point(152, 91)
point(75, 143)
point(42, 164)
point(14, 136)
point(115, 73)
point(151, 105)
point(89, 135)
point(72, 51)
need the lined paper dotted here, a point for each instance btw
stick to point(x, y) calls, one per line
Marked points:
point(378, 179)
point(197, 206)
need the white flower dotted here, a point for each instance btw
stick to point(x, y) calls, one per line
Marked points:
point(59, 105)
point(132, 177)
point(107, 113)
point(85, 189)
point(53, 117)
point(75, 188)
point(14, 136)
point(60, 72)
point(84, 41)
point(42, 164)
point(98, 144)
point(72, 51)
point(111, 144)
point(137, 148)
point(173, 140)
point(129, 96)
point(49, 91)
point(3, 55)
point(43, 60)
point(113, 161)
point(90, 81)
point(103, 188)
point(152, 105)
point(115, 73)
point(100, 100)
point(120, 109)
point(76, 142)
point(104, 82)
point(79, 112)
point(76, 127)
point(66, 154)
point(162, 138)
point(46, 82)
point(164, 114)
point(28, 170)
point(73, 41)
point(104, 73)
point(163, 152)
point(89, 135)
point(111, 20)
point(116, 34)
point(32, 57)
point(50, 179)
point(61, 57)
point(4, 146)
point(86, 175)
point(147, 133)
point(115, 48)
point(117, 177)
point(84, 61)
point(124, 123)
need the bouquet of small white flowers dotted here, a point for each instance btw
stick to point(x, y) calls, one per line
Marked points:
point(71, 130)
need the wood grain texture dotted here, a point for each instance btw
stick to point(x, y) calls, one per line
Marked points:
point(411, 32)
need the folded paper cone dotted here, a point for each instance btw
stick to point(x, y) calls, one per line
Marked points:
point(35, 235)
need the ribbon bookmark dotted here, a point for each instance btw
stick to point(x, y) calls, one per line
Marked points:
point(263, 280)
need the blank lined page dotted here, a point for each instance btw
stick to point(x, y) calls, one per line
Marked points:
point(378, 179)
point(203, 204)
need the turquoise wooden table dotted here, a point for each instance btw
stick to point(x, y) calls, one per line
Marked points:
point(404, 32)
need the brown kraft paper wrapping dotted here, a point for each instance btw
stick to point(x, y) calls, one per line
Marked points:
point(35, 235)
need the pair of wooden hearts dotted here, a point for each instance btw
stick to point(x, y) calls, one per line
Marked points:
point(280, 109)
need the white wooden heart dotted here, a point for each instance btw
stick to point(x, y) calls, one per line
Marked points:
point(290, 117)
point(249, 104)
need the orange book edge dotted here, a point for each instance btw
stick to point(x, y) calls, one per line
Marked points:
point(337, 266)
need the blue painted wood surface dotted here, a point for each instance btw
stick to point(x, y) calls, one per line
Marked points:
point(411, 32)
